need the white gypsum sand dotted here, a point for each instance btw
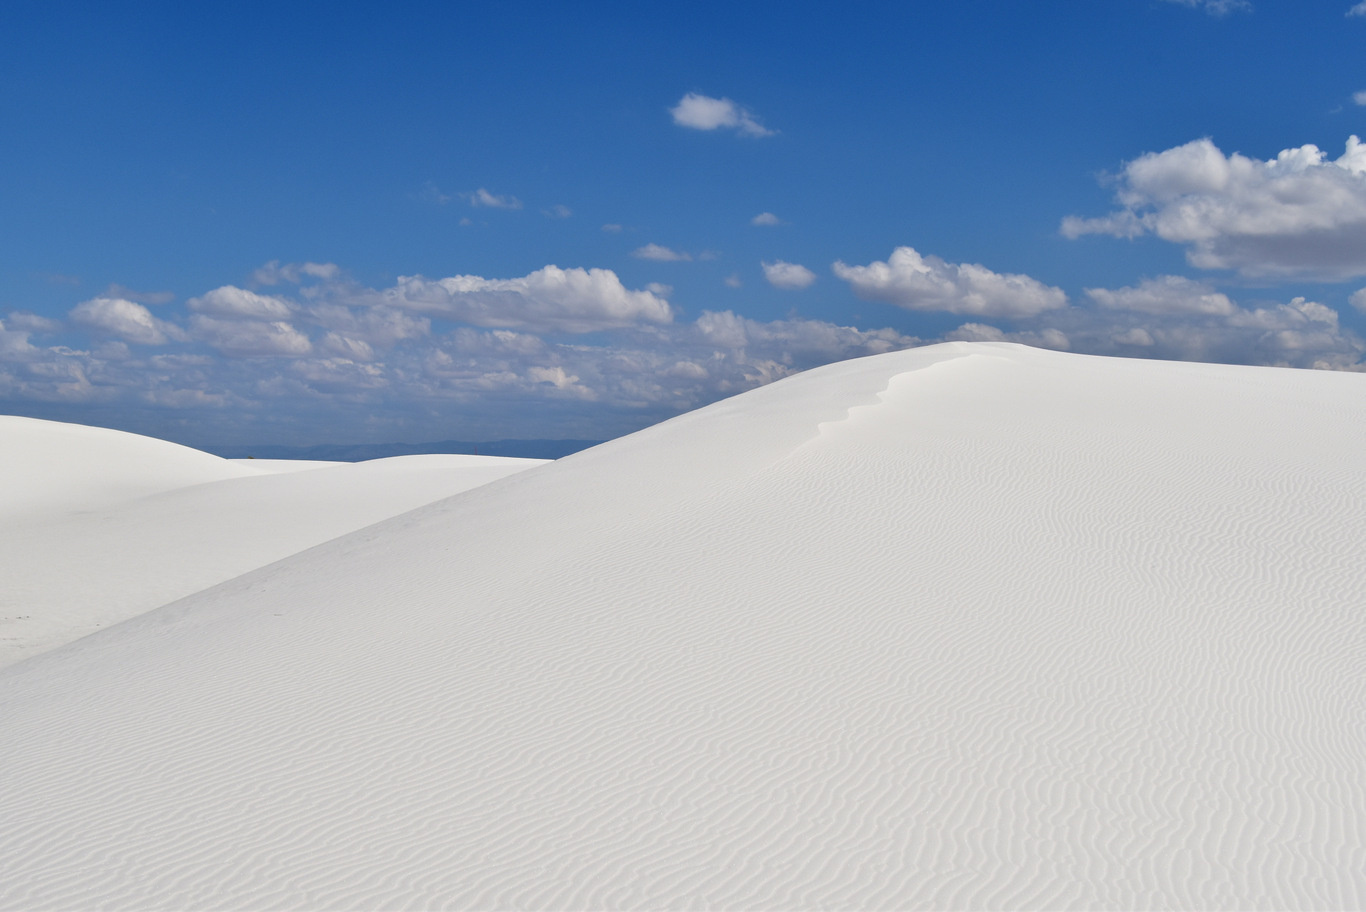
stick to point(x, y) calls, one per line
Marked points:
point(97, 526)
point(966, 626)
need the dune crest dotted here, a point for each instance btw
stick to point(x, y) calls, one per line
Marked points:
point(967, 626)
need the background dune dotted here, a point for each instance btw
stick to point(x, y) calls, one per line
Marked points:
point(965, 626)
point(97, 526)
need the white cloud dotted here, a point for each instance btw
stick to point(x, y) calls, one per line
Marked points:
point(1359, 98)
point(1165, 295)
point(918, 282)
point(347, 347)
point(548, 300)
point(1358, 10)
point(701, 112)
point(789, 276)
point(24, 321)
point(273, 273)
point(125, 319)
point(376, 324)
point(251, 338)
point(733, 281)
point(1358, 299)
point(980, 332)
point(660, 254)
point(766, 218)
point(557, 211)
point(1217, 7)
point(238, 303)
point(612, 228)
point(1177, 319)
point(483, 198)
point(1295, 215)
point(660, 289)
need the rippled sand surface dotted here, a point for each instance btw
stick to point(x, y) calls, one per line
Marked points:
point(972, 626)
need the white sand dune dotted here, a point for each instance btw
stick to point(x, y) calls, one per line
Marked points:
point(966, 626)
point(97, 526)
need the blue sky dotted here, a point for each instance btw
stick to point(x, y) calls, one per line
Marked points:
point(305, 223)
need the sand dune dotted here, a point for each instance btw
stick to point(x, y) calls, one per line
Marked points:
point(966, 626)
point(97, 526)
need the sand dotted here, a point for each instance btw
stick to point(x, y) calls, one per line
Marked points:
point(969, 626)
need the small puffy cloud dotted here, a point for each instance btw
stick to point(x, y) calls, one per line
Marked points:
point(1165, 295)
point(557, 211)
point(702, 112)
point(239, 304)
point(548, 300)
point(1358, 299)
point(660, 254)
point(1358, 10)
point(915, 282)
point(1296, 215)
point(660, 289)
point(766, 218)
point(482, 198)
point(789, 276)
point(125, 319)
point(733, 281)
point(1359, 98)
point(273, 273)
point(251, 338)
point(1217, 7)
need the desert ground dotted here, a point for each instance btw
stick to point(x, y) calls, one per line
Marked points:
point(967, 626)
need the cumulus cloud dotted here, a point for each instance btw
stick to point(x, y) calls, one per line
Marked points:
point(548, 300)
point(386, 359)
point(788, 276)
point(660, 254)
point(1165, 295)
point(702, 112)
point(1298, 214)
point(980, 332)
point(251, 338)
point(1359, 98)
point(238, 303)
point(915, 282)
point(1179, 319)
point(125, 319)
point(1217, 8)
point(766, 218)
point(733, 281)
point(24, 321)
point(483, 198)
point(273, 273)
point(1358, 10)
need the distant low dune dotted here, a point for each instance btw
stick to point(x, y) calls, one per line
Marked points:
point(969, 626)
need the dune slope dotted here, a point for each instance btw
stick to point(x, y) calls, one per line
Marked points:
point(967, 626)
point(97, 526)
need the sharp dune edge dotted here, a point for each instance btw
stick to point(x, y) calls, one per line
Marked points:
point(965, 626)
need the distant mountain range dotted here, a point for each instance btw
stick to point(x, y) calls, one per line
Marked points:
point(359, 452)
